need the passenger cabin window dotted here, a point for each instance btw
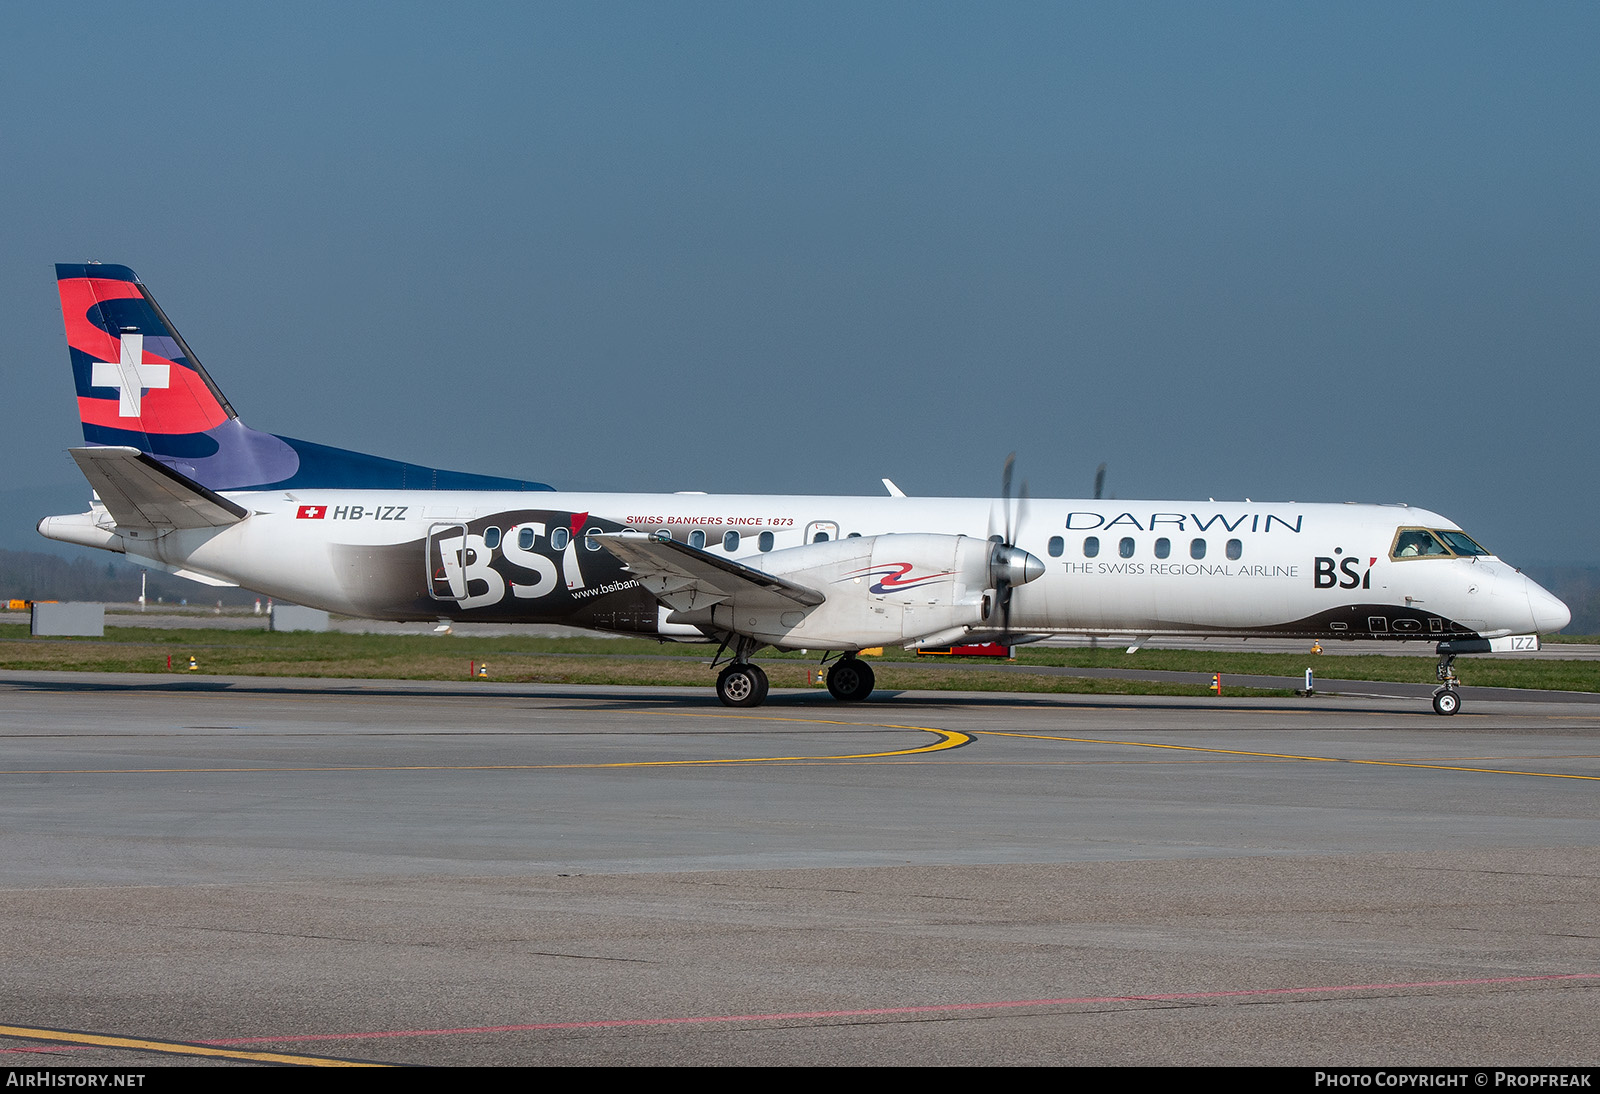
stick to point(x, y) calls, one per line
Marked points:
point(1163, 547)
point(1091, 546)
point(1125, 548)
point(560, 538)
point(1057, 545)
point(491, 538)
point(765, 542)
point(525, 538)
point(730, 541)
point(697, 540)
point(1197, 548)
point(820, 537)
point(589, 542)
point(1235, 549)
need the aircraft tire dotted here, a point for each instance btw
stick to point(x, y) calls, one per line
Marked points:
point(1446, 701)
point(742, 686)
point(850, 680)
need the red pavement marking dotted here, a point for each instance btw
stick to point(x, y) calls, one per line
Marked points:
point(939, 1008)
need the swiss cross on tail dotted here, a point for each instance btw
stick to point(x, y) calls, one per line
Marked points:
point(130, 375)
point(311, 512)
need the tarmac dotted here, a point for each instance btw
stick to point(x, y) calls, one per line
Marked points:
point(238, 871)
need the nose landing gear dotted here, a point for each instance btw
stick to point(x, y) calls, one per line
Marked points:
point(1446, 699)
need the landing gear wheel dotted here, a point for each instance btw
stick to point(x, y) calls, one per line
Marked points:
point(742, 686)
point(1446, 701)
point(850, 680)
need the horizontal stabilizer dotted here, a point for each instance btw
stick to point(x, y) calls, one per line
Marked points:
point(141, 492)
point(685, 578)
point(204, 579)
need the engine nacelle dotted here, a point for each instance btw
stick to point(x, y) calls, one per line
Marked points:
point(880, 590)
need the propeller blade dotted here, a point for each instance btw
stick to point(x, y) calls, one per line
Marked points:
point(1099, 481)
point(1013, 562)
point(1005, 494)
point(1004, 531)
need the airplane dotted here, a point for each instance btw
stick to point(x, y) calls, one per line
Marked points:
point(182, 484)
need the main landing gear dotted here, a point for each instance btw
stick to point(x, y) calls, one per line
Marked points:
point(742, 685)
point(1446, 699)
point(850, 680)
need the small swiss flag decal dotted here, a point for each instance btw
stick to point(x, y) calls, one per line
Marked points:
point(311, 512)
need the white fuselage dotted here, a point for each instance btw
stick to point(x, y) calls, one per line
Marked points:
point(1133, 567)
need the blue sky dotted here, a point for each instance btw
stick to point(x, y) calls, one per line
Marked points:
point(1314, 252)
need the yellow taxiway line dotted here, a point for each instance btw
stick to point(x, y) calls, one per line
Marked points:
point(177, 1048)
point(947, 739)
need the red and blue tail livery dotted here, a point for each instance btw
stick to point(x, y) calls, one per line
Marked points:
point(137, 382)
point(140, 386)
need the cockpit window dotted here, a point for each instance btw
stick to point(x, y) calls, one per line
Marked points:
point(1461, 543)
point(1418, 543)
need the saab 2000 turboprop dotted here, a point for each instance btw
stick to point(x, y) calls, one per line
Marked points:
point(182, 484)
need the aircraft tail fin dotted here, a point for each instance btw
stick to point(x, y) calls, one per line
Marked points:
point(139, 386)
point(138, 383)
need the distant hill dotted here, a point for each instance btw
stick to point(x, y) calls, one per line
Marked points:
point(1579, 586)
point(34, 575)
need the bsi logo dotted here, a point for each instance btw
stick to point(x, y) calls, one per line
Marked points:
point(1346, 574)
point(476, 564)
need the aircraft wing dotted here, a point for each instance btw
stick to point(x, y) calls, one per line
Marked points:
point(141, 492)
point(684, 578)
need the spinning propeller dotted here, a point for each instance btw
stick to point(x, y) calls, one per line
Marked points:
point(1010, 565)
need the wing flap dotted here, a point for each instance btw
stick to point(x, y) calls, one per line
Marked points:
point(141, 492)
point(685, 578)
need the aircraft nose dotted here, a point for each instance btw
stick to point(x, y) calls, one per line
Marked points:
point(1549, 614)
